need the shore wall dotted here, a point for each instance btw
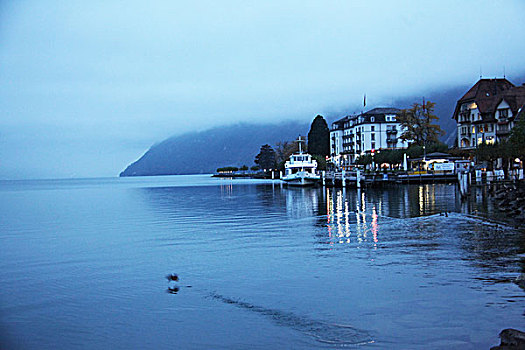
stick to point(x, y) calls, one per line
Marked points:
point(510, 199)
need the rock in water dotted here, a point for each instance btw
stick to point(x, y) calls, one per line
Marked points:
point(511, 339)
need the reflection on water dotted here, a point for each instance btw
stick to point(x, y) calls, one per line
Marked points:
point(287, 267)
point(352, 216)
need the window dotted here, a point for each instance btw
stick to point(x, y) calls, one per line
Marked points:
point(503, 113)
point(372, 128)
point(373, 145)
point(372, 137)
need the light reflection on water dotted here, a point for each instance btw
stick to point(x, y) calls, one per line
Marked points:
point(269, 266)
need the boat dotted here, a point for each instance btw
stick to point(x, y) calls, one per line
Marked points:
point(300, 169)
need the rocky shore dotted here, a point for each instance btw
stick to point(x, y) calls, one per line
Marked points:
point(510, 199)
point(511, 339)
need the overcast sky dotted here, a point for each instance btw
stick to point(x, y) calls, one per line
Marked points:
point(86, 87)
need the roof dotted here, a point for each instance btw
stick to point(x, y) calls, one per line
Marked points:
point(515, 97)
point(379, 113)
point(435, 155)
point(382, 110)
point(487, 88)
point(488, 94)
point(338, 124)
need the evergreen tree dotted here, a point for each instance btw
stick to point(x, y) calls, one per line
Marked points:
point(266, 157)
point(319, 137)
point(418, 122)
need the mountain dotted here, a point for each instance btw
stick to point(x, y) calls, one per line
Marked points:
point(204, 152)
point(237, 145)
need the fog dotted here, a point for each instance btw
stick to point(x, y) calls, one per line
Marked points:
point(87, 87)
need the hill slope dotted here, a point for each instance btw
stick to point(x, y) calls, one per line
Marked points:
point(204, 152)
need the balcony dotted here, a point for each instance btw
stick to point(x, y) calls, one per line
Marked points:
point(464, 117)
point(502, 132)
point(391, 140)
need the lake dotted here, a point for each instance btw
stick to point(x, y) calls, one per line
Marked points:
point(260, 266)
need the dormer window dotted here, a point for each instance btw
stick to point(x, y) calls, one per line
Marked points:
point(372, 119)
point(503, 113)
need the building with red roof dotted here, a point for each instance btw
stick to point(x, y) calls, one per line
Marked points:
point(487, 112)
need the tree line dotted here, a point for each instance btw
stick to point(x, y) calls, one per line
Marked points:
point(318, 145)
point(417, 122)
point(419, 128)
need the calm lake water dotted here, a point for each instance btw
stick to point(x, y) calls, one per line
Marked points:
point(83, 265)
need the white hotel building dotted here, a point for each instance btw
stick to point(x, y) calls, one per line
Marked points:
point(375, 130)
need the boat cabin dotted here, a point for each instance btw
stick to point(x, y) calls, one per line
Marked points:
point(300, 162)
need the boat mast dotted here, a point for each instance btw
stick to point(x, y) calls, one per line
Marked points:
point(299, 140)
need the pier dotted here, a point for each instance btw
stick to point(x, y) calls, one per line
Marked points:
point(360, 178)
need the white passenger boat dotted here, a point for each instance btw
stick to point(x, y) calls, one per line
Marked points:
point(300, 170)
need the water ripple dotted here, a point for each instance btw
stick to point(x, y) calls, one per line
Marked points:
point(321, 331)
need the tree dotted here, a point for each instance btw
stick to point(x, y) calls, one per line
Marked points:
point(319, 137)
point(364, 159)
point(391, 157)
point(284, 150)
point(418, 123)
point(228, 169)
point(517, 136)
point(488, 153)
point(266, 157)
point(321, 162)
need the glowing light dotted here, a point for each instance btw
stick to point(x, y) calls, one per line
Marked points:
point(374, 224)
point(421, 201)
